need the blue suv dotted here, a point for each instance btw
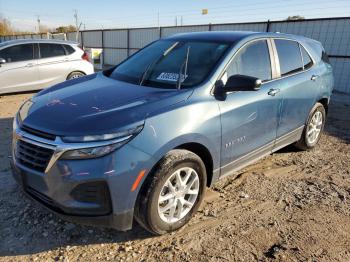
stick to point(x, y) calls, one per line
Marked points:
point(145, 138)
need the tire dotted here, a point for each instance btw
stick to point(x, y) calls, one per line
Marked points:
point(306, 141)
point(149, 207)
point(74, 75)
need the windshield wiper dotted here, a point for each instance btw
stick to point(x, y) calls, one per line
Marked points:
point(156, 61)
point(184, 65)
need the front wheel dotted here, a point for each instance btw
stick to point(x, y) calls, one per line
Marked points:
point(171, 195)
point(313, 128)
point(75, 75)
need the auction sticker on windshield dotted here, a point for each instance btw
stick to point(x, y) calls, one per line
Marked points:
point(173, 77)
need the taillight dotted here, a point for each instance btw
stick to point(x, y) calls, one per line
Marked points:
point(85, 55)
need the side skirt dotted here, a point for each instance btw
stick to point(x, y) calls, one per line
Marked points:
point(288, 138)
point(261, 152)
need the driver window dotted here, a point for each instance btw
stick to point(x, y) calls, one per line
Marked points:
point(17, 53)
point(252, 60)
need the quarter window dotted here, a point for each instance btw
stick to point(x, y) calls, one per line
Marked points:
point(51, 50)
point(252, 60)
point(17, 53)
point(289, 56)
point(307, 61)
point(70, 50)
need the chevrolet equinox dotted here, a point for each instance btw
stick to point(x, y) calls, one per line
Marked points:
point(145, 138)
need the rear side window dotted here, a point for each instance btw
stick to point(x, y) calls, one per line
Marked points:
point(69, 50)
point(17, 53)
point(51, 50)
point(307, 61)
point(252, 60)
point(289, 56)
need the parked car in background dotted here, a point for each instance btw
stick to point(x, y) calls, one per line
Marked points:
point(31, 64)
point(145, 138)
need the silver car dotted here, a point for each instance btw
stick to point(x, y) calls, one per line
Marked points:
point(32, 64)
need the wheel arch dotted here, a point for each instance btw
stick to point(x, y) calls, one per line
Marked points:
point(75, 71)
point(204, 154)
point(324, 101)
point(195, 147)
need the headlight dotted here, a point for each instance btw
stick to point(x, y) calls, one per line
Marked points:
point(92, 152)
point(117, 140)
point(94, 138)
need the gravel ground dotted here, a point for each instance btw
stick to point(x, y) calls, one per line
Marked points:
point(290, 206)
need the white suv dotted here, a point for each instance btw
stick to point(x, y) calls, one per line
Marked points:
point(36, 64)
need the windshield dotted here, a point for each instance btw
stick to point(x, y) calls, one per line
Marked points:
point(161, 63)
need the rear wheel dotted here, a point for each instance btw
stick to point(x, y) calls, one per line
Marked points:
point(313, 128)
point(74, 75)
point(171, 195)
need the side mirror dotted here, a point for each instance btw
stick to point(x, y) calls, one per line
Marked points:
point(242, 83)
point(2, 61)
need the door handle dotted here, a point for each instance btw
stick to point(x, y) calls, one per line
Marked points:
point(30, 65)
point(314, 77)
point(273, 91)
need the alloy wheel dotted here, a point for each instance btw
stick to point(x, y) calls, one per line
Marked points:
point(314, 128)
point(178, 195)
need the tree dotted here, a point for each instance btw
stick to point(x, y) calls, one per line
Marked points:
point(295, 17)
point(66, 29)
point(5, 27)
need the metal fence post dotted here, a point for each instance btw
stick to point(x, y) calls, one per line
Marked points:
point(103, 47)
point(128, 42)
point(82, 38)
point(268, 26)
point(210, 26)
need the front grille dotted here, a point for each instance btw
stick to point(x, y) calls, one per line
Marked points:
point(38, 133)
point(33, 156)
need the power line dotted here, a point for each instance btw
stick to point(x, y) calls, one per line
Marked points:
point(265, 4)
point(250, 11)
point(258, 13)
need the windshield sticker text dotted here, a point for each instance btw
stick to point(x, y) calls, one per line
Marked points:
point(173, 77)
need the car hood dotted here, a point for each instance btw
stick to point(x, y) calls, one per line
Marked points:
point(94, 105)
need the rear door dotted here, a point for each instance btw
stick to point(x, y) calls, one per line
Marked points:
point(20, 72)
point(249, 118)
point(298, 86)
point(53, 64)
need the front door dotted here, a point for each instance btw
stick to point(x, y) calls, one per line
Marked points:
point(249, 118)
point(20, 72)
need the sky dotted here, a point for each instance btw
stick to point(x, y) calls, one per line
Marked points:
point(136, 13)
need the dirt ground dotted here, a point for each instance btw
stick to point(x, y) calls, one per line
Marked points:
point(290, 206)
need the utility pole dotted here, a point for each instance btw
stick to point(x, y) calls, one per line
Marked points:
point(76, 24)
point(175, 20)
point(38, 20)
point(182, 21)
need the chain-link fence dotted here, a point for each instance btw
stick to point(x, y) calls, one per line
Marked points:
point(118, 44)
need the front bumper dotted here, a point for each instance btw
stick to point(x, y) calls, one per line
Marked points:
point(93, 192)
point(120, 221)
